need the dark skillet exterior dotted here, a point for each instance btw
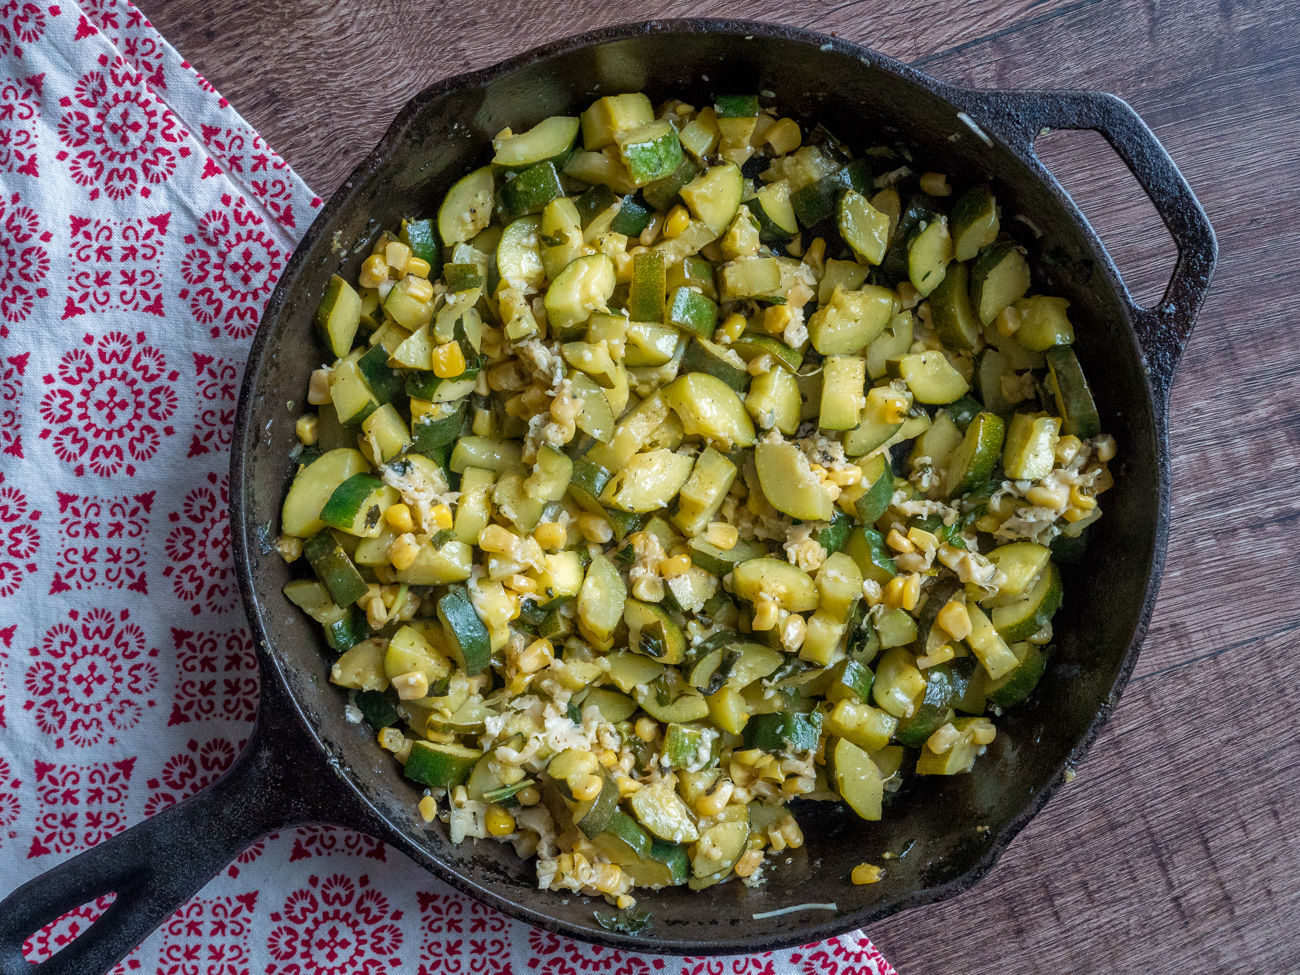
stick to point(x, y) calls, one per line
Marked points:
point(955, 828)
point(306, 762)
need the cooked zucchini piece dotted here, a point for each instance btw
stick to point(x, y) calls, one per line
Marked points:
point(358, 504)
point(789, 732)
point(467, 207)
point(1022, 619)
point(333, 567)
point(601, 602)
point(650, 152)
point(422, 237)
point(750, 277)
point(776, 219)
point(1042, 323)
point(583, 287)
point(844, 379)
point(789, 483)
point(974, 220)
point(999, 276)
point(930, 376)
point(529, 191)
point(864, 228)
point(467, 637)
point(951, 309)
point(1073, 397)
point(338, 316)
point(774, 400)
point(856, 778)
point(659, 809)
point(440, 766)
point(1017, 684)
point(1030, 450)
point(692, 312)
point(550, 140)
point(664, 193)
point(714, 196)
point(721, 361)
point(789, 586)
point(707, 406)
point(608, 116)
point(851, 320)
point(972, 463)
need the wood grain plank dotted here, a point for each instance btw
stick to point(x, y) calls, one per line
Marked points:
point(324, 108)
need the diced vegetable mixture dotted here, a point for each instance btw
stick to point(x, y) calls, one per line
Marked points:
point(685, 464)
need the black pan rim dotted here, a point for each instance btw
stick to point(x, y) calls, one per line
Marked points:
point(244, 439)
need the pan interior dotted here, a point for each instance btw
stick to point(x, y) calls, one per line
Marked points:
point(949, 826)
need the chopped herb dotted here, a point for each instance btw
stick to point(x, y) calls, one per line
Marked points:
point(625, 922)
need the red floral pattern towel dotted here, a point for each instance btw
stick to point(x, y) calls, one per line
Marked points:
point(143, 225)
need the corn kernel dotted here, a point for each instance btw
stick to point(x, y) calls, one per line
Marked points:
point(872, 592)
point(528, 796)
point(587, 788)
point(499, 821)
point(748, 863)
point(522, 584)
point(652, 230)
point(793, 632)
point(626, 785)
point(899, 542)
point(647, 728)
point(428, 809)
point(419, 288)
point(865, 873)
point(1081, 499)
point(403, 551)
point(912, 591)
point(396, 254)
point(784, 136)
point(955, 620)
point(943, 739)
point(624, 901)
point(497, 540)
point(595, 528)
point(418, 266)
point(941, 655)
point(1008, 321)
point(1067, 448)
point(675, 566)
point(318, 387)
point(722, 535)
point(448, 360)
point(678, 220)
point(732, 327)
point(988, 523)
point(442, 516)
point(551, 535)
point(535, 656)
point(936, 184)
point(887, 405)
point(399, 516)
point(894, 591)
point(777, 318)
point(412, 686)
point(1074, 513)
point(765, 614)
point(305, 429)
point(1055, 497)
point(483, 424)
point(714, 801)
point(374, 271)
point(983, 732)
point(1105, 446)
point(921, 538)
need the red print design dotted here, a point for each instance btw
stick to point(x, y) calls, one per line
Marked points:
point(120, 138)
point(79, 805)
point(338, 926)
point(21, 22)
point(244, 153)
point(109, 403)
point(19, 538)
point(218, 677)
point(62, 932)
point(554, 954)
point(102, 542)
point(9, 805)
point(24, 262)
point(209, 936)
point(217, 388)
point(849, 954)
point(7, 639)
point(193, 769)
point(455, 943)
point(130, 33)
point(20, 108)
point(116, 265)
point(763, 964)
point(249, 855)
point(231, 270)
point(11, 391)
point(198, 549)
point(91, 678)
point(323, 841)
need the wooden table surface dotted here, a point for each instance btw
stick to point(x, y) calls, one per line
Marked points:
point(1177, 849)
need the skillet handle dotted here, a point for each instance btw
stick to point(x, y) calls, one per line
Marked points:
point(1020, 116)
point(157, 865)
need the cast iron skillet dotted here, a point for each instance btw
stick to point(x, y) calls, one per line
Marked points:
point(306, 763)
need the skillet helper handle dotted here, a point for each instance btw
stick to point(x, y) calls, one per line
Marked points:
point(1163, 330)
point(153, 867)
